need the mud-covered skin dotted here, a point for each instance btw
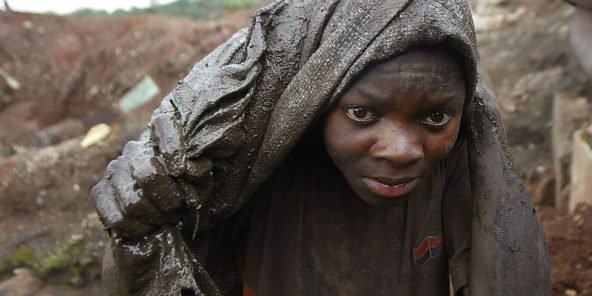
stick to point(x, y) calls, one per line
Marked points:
point(240, 111)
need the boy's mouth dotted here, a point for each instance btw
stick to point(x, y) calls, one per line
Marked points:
point(390, 188)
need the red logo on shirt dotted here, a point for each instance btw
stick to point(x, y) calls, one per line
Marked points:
point(430, 247)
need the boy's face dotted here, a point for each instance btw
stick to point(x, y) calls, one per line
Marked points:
point(395, 123)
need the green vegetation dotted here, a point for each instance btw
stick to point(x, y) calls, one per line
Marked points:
point(193, 9)
point(587, 138)
point(22, 257)
point(90, 11)
point(3, 101)
point(65, 257)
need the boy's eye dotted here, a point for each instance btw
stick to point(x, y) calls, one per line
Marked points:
point(436, 119)
point(360, 113)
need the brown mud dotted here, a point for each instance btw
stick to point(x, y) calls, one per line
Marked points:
point(72, 72)
point(569, 242)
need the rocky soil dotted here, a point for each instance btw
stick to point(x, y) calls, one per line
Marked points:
point(72, 71)
point(543, 96)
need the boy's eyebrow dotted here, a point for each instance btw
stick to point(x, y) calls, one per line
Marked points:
point(442, 100)
point(369, 95)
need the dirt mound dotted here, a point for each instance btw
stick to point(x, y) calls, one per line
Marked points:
point(73, 67)
point(72, 72)
point(569, 242)
point(523, 45)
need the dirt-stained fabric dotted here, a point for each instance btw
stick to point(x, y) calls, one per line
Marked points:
point(225, 128)
point(582, 3)
point(310, 234)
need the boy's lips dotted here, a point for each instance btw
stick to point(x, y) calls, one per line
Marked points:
point(390, 188)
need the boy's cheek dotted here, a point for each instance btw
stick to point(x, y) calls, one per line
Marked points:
point(342, 153)
point(444, 144)
point(450, 145)
point(343, 143)
point(453, 136)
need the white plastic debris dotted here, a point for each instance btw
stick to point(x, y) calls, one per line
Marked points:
point(95, 134)
point(142, 93)
point(11, 82)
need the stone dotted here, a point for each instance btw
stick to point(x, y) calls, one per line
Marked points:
point(581, 38)
point(484, 6)
point(12, 83)
point(94, 289)
point(491, 22)
point(544, 193)
point(142, 93)
point(22, 284)
point(59, 132)
point(540, 181)
point(581, 172)
point(569, 114)
point(570, 292)
point(95, 134)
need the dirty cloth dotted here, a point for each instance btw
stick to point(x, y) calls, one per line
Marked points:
point(241, 110)
point(309, 234)
point(581, 3)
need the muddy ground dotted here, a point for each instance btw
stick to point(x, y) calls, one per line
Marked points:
point(73, 70)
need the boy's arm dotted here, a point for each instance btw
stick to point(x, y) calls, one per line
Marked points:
point(170, 166)
point(132, 198)
point(153, 197)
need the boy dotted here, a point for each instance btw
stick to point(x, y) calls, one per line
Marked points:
point(243, 117)
point(393, 212)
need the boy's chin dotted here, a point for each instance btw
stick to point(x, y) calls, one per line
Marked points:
point(376, 200)
point(364, 192)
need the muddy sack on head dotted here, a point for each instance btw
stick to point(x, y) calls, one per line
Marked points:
point(237, 115)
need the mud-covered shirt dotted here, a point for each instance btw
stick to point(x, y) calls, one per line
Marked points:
point(309, 234)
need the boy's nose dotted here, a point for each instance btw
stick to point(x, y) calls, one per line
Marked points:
point(398, 146)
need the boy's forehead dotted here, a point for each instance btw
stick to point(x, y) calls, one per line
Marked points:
point(429, 60)
point(441, 69)
point(435, 71)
